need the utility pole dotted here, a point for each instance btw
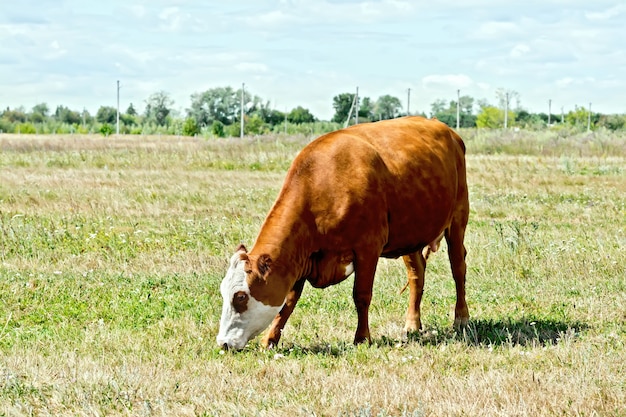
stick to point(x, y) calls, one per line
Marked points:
point(506, 110)
point(549, 110)
point(408, 102)
point(117, 130)
point(562, 115)
point(589, 119)
point(458, 109)
point(356, 115)
point(243, 86)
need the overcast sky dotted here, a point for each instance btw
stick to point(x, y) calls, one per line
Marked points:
point(299, 52)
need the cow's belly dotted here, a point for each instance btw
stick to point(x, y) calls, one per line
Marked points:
point(412, 230)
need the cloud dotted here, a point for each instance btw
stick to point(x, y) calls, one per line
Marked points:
point(519, 50)
point(171, 18)
point(495, 29)
point(614, 11)
point(253, 67)
point(270, 19)
point(137, 10)
point(571, 81)
point(55, 51)
point(447, 80)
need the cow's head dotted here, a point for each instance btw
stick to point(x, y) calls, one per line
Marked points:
point(247, 310)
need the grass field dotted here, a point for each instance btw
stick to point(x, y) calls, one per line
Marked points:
point(112, 251)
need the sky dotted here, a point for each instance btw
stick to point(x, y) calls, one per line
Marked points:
point(303, 53)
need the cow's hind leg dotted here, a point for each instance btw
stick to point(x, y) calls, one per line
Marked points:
point(415, 265)
point(273, 334)
point(455, 235)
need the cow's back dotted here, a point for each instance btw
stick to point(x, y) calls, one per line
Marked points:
point(394, 182)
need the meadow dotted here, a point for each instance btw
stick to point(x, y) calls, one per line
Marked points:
point(112, 251)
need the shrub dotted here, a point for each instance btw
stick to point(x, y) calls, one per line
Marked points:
point(190, 127)
point(217, 128)
point(26, 128)
point(106, 129)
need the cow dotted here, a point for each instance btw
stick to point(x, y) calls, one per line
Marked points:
point(385, 189)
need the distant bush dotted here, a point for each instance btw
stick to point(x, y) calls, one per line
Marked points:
point(106, 129)
point(26, 129)
point(190, 127)
point(217, 128)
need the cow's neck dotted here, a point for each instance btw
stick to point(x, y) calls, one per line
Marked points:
point(287, 238)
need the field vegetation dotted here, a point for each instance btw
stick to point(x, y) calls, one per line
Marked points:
point(112, 251)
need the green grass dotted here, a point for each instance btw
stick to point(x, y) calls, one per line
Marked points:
point(112, 251)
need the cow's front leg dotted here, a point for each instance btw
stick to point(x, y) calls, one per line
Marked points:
point(415, 266)
point(273, 334)
point(362, 294)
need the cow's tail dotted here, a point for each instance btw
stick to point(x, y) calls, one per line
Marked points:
point(431, 248)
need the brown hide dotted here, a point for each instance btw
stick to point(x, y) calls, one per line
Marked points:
point(379, 189)
point(329, 268)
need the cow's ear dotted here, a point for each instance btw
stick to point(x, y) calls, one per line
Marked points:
point(240, 248)
point(264, 264)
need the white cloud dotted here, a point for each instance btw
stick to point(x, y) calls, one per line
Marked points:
point(270, 19)
point(493, 30)
point(519, 50)
point(137, 10)
point(55, 51)
point(172, 19)
point(614, 11)
point(571, 81)
point(447, 80)
point(253, 67)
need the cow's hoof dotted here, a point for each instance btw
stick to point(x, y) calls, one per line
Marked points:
point(358, 340)
point(269, 344)
point(461, 323)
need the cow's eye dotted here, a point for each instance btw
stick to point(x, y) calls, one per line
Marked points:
point(240, 301)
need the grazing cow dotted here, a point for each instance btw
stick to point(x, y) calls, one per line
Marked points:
point(386, 189)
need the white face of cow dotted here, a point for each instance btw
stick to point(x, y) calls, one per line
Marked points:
point(243, 317)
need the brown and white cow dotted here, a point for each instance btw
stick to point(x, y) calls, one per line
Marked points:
point(386, 189)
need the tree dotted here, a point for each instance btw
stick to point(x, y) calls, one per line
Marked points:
point(505, 98)
point(65, 115)
point(254, 125)
point(106, 114)
point(131, 110)
point(39, 113)
point(366, 109)
point(15, 116)
point(221, 104)
point(493, 117)
point(579, 117)
point(388, 107)
point(190, 128)
point(613, 121)
point(300, 115)
point(217, 128)
point(158, 107)
point(437, 107)
point(446, 112)
point(342, 103)
point(267, 114)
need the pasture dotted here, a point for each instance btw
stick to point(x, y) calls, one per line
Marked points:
point(112, 251)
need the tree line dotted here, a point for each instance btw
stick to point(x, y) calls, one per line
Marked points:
point(217, 112)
